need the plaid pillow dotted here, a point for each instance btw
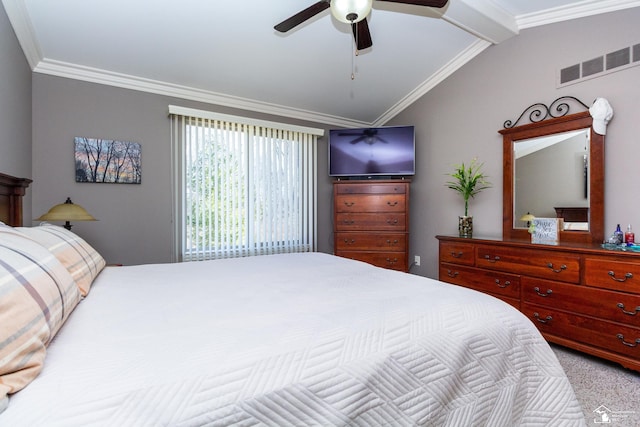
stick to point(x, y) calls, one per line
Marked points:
point(82, 261)
point(37, 294)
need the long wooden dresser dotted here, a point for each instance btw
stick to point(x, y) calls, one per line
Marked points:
point(578, 295)
point(371, 222)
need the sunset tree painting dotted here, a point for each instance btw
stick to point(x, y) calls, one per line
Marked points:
point(107, 161)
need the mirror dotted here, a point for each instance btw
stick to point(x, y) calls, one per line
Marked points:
point(555, 168)
point(558, 161)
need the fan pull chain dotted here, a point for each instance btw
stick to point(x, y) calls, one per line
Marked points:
point(353, 66)
point(353, 63)
point(353, 58)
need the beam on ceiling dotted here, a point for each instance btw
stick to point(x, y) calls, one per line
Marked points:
point(482, 18)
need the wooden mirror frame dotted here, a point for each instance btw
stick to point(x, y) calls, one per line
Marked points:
point(570, 122)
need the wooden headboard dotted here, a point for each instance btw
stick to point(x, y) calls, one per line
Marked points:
point(11, 191)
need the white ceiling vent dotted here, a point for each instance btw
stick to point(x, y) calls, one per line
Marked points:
point(608, 63)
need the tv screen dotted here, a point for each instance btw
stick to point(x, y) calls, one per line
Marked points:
point(382, 151)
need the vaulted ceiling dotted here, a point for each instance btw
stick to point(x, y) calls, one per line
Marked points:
point(227, 52)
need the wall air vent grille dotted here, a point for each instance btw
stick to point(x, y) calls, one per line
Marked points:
point(570, 74)
point(620, 59)
point(592, 67)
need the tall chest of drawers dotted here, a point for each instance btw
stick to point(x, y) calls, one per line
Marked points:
point(579, 296)
point(371, 222)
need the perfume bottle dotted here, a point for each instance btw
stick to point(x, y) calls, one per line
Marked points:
point(629, 236)
point(619, 235)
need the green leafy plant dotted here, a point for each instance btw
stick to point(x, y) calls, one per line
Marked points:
point(468, 181)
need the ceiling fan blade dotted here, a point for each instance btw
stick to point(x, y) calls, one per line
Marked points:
point(361, 34)
point(300, 17)
point(428, 3)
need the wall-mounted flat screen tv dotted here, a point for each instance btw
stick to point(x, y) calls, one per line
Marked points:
point(372, 152)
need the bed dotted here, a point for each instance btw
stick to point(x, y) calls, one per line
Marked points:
point(306, 339)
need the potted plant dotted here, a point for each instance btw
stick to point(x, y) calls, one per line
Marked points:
point(468, 181)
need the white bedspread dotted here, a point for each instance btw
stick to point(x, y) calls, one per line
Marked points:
point(299, 339)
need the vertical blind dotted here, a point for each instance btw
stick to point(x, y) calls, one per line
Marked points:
point(242, 187)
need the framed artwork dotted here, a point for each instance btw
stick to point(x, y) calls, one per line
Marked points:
point(107, 161)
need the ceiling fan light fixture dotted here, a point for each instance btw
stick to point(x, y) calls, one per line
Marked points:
point(350, 11)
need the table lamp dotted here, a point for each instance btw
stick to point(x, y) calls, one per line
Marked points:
point(67, 211)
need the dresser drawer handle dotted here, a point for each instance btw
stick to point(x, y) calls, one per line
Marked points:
point(628, 344)
point(349, 242)
point(537, 291)
point(494, 259)
point(452, 274)
point(392, 261)
point(392, 242)
point(562, 268)
point(349, 204)
point(392, 203)
point(500, 285)
point(349, 221)
point(392, 221)
point(623, 279)
point(545, 320)
point(630, 313)
point(457, 254)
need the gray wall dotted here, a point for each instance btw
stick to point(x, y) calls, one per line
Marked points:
point(135, 221)
point(15, 108)
point(456, 121)
point(460, 119)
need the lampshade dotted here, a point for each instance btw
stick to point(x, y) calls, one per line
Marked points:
point(527, 217)
point(350, 11)
point(67, 211)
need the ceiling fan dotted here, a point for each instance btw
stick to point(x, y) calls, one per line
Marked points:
point(352, 12)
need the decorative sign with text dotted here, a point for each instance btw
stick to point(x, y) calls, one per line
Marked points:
point(546, 231)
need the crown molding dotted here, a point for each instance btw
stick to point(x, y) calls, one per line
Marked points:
point(19, 18)
point(452, 66)
point(579, 10)
point(109, 78)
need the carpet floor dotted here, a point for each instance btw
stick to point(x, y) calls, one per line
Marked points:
point(609, 394)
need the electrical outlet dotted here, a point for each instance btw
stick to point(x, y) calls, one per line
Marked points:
point(416, 260)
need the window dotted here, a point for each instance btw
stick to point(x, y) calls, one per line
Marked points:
point(242, 187)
